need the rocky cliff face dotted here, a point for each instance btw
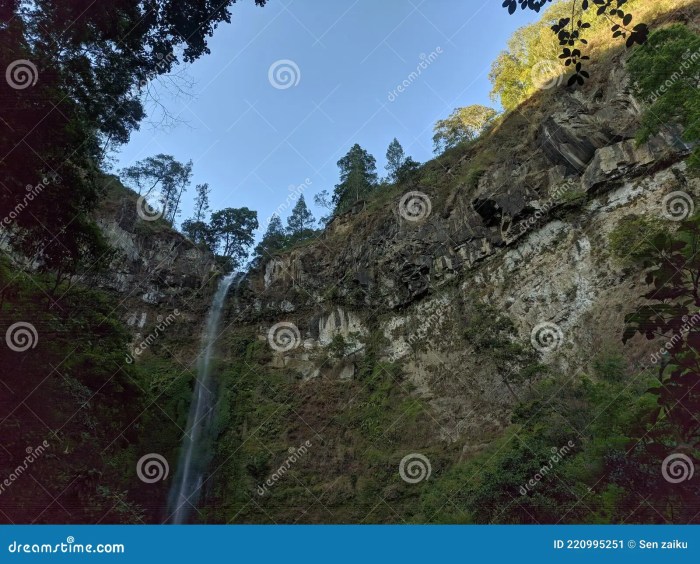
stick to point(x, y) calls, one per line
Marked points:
point(520, 221)
point(356, 344)
point(157, 271)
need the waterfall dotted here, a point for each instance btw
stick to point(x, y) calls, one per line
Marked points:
point(197, 442)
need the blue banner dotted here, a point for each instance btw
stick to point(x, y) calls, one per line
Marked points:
point(353, 544)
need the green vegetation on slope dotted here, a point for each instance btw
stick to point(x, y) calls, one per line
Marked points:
point(666, 71)
point(76, 390)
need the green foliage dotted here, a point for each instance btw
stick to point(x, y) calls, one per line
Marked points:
point(610, 367)
point(324, 200)
point(394, 159)
point(274, 239)
point(633, 236)
point(400, 167)
point(463, 124)
point(569, 442)
point(572, 31)
point(408, 171)
point(163, 176)
point(358, 178)
point(665, 71)
point(494, 336)
point(232, 234)
point(196, 228)
point(79, 382)
point(338, 346)
point(537, 58)
point(672, 268)
point(82, 91)
point(300, 222)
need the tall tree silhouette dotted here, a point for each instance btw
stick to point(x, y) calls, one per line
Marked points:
point(232, 232)
point(358, 178)
point(196, 228)
point(300, 222)
point(272, 241)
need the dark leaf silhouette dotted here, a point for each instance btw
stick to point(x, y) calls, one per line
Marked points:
point(569, 33)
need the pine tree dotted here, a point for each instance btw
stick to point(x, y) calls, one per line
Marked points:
point(201, 202)
point(272, 241)
point(358, 178)
point(196, 228)
point(301, 221)
point(395, 159)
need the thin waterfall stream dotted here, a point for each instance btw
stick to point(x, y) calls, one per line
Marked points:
point(197, 445)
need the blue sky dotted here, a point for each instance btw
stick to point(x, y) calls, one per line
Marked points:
point(251, 135)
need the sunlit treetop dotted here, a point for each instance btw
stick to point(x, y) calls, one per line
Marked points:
point(571, 31)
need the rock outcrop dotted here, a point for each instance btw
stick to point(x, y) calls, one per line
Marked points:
point(529, 237)
point(156, 271)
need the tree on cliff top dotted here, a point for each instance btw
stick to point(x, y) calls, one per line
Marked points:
point(232, 234)
point(272, 241)
point(463, 124)
point(196, 228)
point(300, 222)
point(77, 76)
point(164, 175)
point(561, 34)
point(358, 178)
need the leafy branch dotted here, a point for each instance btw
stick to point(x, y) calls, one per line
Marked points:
point(570, 31)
